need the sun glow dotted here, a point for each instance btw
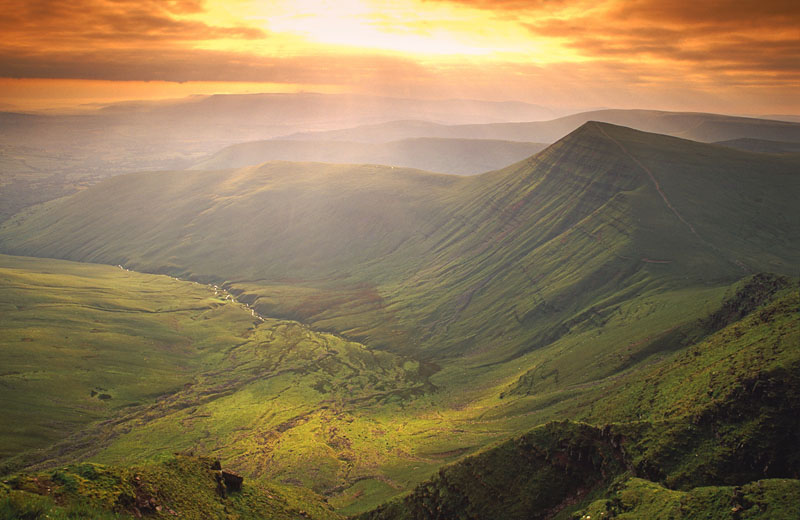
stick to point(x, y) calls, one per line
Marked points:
point(603, 53)
point(411, 28)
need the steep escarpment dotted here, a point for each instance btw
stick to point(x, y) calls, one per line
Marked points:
point(730, 437)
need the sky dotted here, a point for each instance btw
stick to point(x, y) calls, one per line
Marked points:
point(730, 56)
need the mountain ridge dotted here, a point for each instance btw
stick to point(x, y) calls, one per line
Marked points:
point(689, 125)
point(467, 227)
point(454, 156)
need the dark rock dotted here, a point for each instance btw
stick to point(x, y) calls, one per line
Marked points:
point(221, 489)
point(233, 482)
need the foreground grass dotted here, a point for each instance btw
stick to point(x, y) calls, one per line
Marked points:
point(719, 451)
point(699, 447)
point(175, 487)
point(632, 499)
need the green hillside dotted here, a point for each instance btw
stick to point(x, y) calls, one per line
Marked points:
point(500, 264)
point(714, 434)
point(762, 145)
point(109, 365)
point(179, 486)
point(456, 156)
point(82, 342)
point(289, 404)
point(416, 318)
point(561, 240)
point(297, 219)
point(395, 230)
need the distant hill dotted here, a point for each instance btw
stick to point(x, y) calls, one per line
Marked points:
point(687, 125)
point(456, 156)
point(327, 110)
point(762, 146)
point(49, 155)
point(172, 131)
point(782, 117)
point(53, 155)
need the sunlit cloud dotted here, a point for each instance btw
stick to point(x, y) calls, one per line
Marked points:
point(534, 50)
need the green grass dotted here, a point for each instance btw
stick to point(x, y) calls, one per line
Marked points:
point(684, 435)
point(168, 365)
point(636, 498)
point(521, 478)
point(289, 404)
point(83, 342)
point(176, 487)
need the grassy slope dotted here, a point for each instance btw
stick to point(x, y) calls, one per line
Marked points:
point(774, 499)
point(722, 413)
point(178, 486)
point(544, 284)
point(82, 342)
point(563, 239)
point(456, 156)
point(309, 409)
point(168, 365)
point(762, 145)
point(280, 220)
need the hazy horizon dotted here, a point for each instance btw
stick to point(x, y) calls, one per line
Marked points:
point(46, 96)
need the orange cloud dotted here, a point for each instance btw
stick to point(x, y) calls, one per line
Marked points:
point(182, 65)
point(654, 53)
point(46, 24)
point(706, 37)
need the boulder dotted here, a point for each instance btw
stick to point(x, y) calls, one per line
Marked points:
point(233, 482)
